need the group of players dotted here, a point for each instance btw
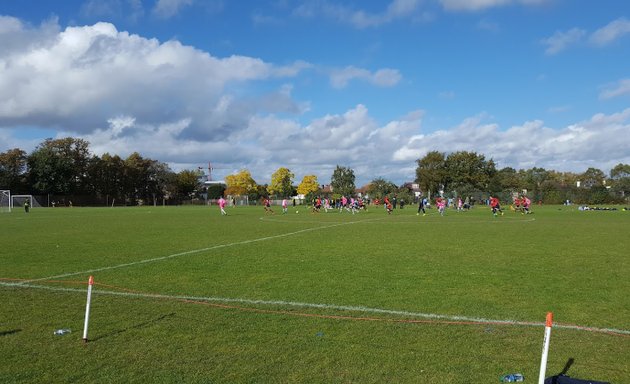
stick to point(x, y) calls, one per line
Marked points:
point(520, 204)
point(348, 204)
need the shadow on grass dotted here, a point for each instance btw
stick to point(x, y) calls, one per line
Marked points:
point(11, 332)
point(137, 326)
point(562, 377)
point(567, 366)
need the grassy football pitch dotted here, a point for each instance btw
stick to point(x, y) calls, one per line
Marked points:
point(184, 295)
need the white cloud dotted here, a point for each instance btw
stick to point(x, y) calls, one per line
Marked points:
point(559, 109)
point(356, 140)
point(397, 9)
point(614, 30)
point(9, 25)
point(447, 95)
point(562, 40)
point(622, 87)
point(130, 9)
point(174, 103)
point(471, 5)
point(574, 148)
point(488, 25)
point(339, 78)
point(81, 77)
point(168, 8)
point(477, 5)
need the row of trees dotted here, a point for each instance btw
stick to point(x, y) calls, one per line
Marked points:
point(65, 167)
point(282, 184)
point(470, 174)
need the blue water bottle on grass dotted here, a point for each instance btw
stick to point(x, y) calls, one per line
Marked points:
point(512, 378)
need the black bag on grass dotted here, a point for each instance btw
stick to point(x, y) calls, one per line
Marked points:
point(562, 379)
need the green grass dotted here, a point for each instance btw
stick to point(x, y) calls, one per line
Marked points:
point(262, 274)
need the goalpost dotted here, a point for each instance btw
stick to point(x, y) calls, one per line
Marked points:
point(18, 201)
point(5, 200)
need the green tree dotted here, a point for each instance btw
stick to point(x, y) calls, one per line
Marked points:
point(406, 194)
point(215, 191)
point(620, 177)
point(379, 187)
point(60, 166)
point(160, 177)
point(107, 175)
point(509, 180)
point(620, 171)
point(592, 177)
point(342, 181)
point(468, 171)
point(187, 183)
point(13, 170)
point(145, 180)
point(281, 183)
point(431, 172)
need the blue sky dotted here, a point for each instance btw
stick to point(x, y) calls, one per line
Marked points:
point(308, 85)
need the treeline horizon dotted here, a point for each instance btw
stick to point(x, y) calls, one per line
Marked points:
point(66, 167)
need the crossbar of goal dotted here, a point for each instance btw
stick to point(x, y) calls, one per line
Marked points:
point(20, 199)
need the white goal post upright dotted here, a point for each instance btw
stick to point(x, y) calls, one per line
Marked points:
point(5, 200)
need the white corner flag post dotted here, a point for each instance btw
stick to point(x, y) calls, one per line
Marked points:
point(545, 351)
point(87, 309)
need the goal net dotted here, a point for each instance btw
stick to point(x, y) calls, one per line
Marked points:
point(5, 200)
point(18, 201)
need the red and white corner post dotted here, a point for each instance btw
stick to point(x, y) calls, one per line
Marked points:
point(87, 309)
point(545, 351)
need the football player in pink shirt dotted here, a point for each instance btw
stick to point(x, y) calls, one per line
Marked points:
point(222, 203)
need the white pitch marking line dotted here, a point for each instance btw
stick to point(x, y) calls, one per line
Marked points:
point(161, 258)
point(432, 316)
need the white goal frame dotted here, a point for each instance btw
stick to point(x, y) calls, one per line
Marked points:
point(5, 200)
point(29, 197)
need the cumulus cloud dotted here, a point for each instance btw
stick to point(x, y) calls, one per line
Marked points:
point(177, 104)
point(355, 139)
point(80, 77)
point(339, 78)
point(532, 144)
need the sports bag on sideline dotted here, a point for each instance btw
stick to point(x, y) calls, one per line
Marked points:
point(562, 379)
